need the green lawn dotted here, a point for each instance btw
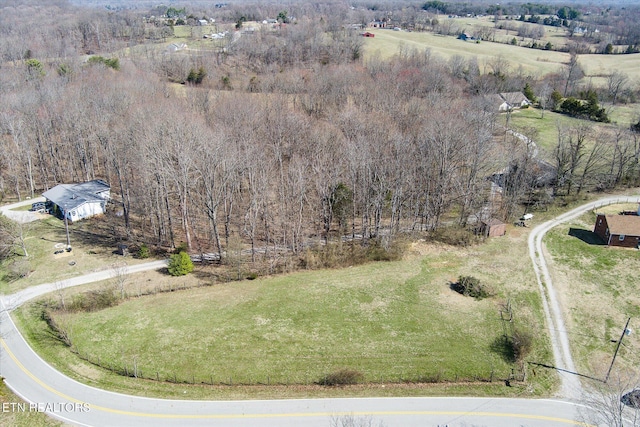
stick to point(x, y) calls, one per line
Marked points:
point(394, 322)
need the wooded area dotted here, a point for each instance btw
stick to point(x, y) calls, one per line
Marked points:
point(282, 137)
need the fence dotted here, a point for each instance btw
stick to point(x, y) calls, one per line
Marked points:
point(408, 376)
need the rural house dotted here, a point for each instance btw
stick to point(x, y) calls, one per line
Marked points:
point(619, 230)
point(78, 201)
point(515, 100)
point(508, 101)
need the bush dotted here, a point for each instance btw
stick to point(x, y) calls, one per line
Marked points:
point(454, 236)
point(143, 251)
point(342, 377)
point(471, 287)
point(94, 300)
point(521, 342)
point(180, 264)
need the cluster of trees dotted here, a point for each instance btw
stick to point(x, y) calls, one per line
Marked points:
point(305, 142)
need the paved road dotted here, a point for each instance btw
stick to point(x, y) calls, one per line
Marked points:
point(571, 387)
point(50, 391)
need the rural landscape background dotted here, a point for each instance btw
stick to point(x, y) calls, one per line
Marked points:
point(335, 162)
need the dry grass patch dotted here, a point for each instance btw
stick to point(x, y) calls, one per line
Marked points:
point(596, 285)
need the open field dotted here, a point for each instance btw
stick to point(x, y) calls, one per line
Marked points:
point(387, 42)
point(394, 322)
point(598, 288)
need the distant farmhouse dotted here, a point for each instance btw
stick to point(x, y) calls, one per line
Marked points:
point(78, 201)
point(619, 230)
point(508, 101)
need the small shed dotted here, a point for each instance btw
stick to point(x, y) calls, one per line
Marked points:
point(368, 34)
point(493, 228)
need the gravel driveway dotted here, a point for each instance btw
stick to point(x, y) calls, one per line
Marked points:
point(22, 216)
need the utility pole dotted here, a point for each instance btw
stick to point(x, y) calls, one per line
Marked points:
point(625, 331)
point(66, 226)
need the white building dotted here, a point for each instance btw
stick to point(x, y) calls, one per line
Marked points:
point(78, 201)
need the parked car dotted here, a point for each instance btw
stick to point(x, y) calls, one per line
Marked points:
point(38, 207)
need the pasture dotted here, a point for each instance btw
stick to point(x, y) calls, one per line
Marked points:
point(394, 322)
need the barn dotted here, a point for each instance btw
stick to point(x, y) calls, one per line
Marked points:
point(78, 201)
point(618, 230)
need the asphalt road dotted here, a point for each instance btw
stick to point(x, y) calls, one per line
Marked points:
point(47, 390)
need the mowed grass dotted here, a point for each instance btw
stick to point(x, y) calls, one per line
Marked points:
point(394, 322)
point(599, 291)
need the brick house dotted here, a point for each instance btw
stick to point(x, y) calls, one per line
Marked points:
point(619, 230)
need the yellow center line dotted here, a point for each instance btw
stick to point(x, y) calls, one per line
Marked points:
point(292, 415)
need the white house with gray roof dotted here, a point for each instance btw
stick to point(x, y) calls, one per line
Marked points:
point(79, 201)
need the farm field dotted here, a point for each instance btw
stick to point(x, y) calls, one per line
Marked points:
point(538, 62)
point(394, 322)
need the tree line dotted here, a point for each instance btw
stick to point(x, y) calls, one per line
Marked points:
point(289, 137)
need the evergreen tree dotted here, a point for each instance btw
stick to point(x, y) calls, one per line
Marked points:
point(180, 264)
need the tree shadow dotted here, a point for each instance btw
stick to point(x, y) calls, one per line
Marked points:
point(589, 237)
point(503, 347)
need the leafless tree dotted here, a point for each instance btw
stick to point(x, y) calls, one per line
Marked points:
point(572, 73)
point(616, 83)
point(120, 272)
point(610, 404)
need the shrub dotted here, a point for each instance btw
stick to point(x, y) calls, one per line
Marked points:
point(521, 342)
point(94, 300)
point(454, 236)
point(107, 62)
point(342, 377)
point(471, 287)
point(180, 264)
point(143, 251)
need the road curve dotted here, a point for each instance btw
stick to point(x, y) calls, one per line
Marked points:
point(47, 390)
point(570, 386)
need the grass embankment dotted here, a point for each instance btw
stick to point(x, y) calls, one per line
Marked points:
point(15, 415)
point(599, 292)
point(394, 322)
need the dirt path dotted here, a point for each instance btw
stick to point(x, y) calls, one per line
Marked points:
point(571, 388)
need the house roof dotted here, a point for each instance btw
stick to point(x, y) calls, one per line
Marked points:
point(629, 225)
point(492, 222)
point(514, 98)
point(70, 196)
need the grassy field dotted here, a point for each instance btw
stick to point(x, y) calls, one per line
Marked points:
point(386, 43)
point(599, 292)
point(394, 322)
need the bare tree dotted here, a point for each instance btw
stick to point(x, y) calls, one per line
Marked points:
point(616, 83)
point(120, 272)
point(610, 404)
point(572, 73)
